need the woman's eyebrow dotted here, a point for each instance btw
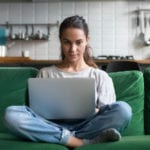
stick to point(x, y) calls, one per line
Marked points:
point(78, 40)
point(65, 39)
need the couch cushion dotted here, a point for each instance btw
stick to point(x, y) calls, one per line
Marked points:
point(13, 87)
point(26, 145)
point(126, 143)
point(8, 136)
point(129, 87)
point(147, 101)
point(16, 143)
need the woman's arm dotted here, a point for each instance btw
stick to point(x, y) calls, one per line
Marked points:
point(105, 89)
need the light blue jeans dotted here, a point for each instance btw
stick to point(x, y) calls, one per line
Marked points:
point(23, 122)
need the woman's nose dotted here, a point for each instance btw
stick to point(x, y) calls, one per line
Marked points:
point(73, 47)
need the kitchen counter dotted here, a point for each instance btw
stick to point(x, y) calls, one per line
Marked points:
point(13, 59)
point(28, 60)
point(25, 60)
point(145, 61)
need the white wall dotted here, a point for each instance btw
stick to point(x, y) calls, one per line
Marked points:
point(112, 26)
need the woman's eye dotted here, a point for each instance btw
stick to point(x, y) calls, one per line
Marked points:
point(79, 42)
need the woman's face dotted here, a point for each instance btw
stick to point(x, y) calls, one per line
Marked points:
point(73, 44)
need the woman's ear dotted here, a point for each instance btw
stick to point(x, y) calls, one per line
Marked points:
point(87, 39)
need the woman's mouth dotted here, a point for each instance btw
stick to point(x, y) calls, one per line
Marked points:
point(72, 55)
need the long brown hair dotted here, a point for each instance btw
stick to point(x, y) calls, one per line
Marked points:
point(80, 23)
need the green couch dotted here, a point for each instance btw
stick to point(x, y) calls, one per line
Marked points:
point(130, 86)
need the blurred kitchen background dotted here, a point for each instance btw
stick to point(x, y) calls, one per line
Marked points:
point(117, 27)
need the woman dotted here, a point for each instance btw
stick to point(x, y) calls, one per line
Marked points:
point(105, 125)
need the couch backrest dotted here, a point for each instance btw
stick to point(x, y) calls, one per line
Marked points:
point(13, 87)
point(147, 101)
point(129, 87)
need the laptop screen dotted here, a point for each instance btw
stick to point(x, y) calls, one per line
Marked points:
point(65, 98)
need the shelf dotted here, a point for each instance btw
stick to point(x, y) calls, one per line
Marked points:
point(24, 33)
point(144, 10)
point(7, 24)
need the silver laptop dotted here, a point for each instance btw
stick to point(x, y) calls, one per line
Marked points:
point(65, 98)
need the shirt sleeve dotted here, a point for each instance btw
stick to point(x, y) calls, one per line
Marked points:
point(43, 73)
point(105, 89)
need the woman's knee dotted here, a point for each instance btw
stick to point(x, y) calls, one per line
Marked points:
point(124, 111)
point(11, 117)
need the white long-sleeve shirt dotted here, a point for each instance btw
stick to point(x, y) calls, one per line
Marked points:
point(104, 89)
